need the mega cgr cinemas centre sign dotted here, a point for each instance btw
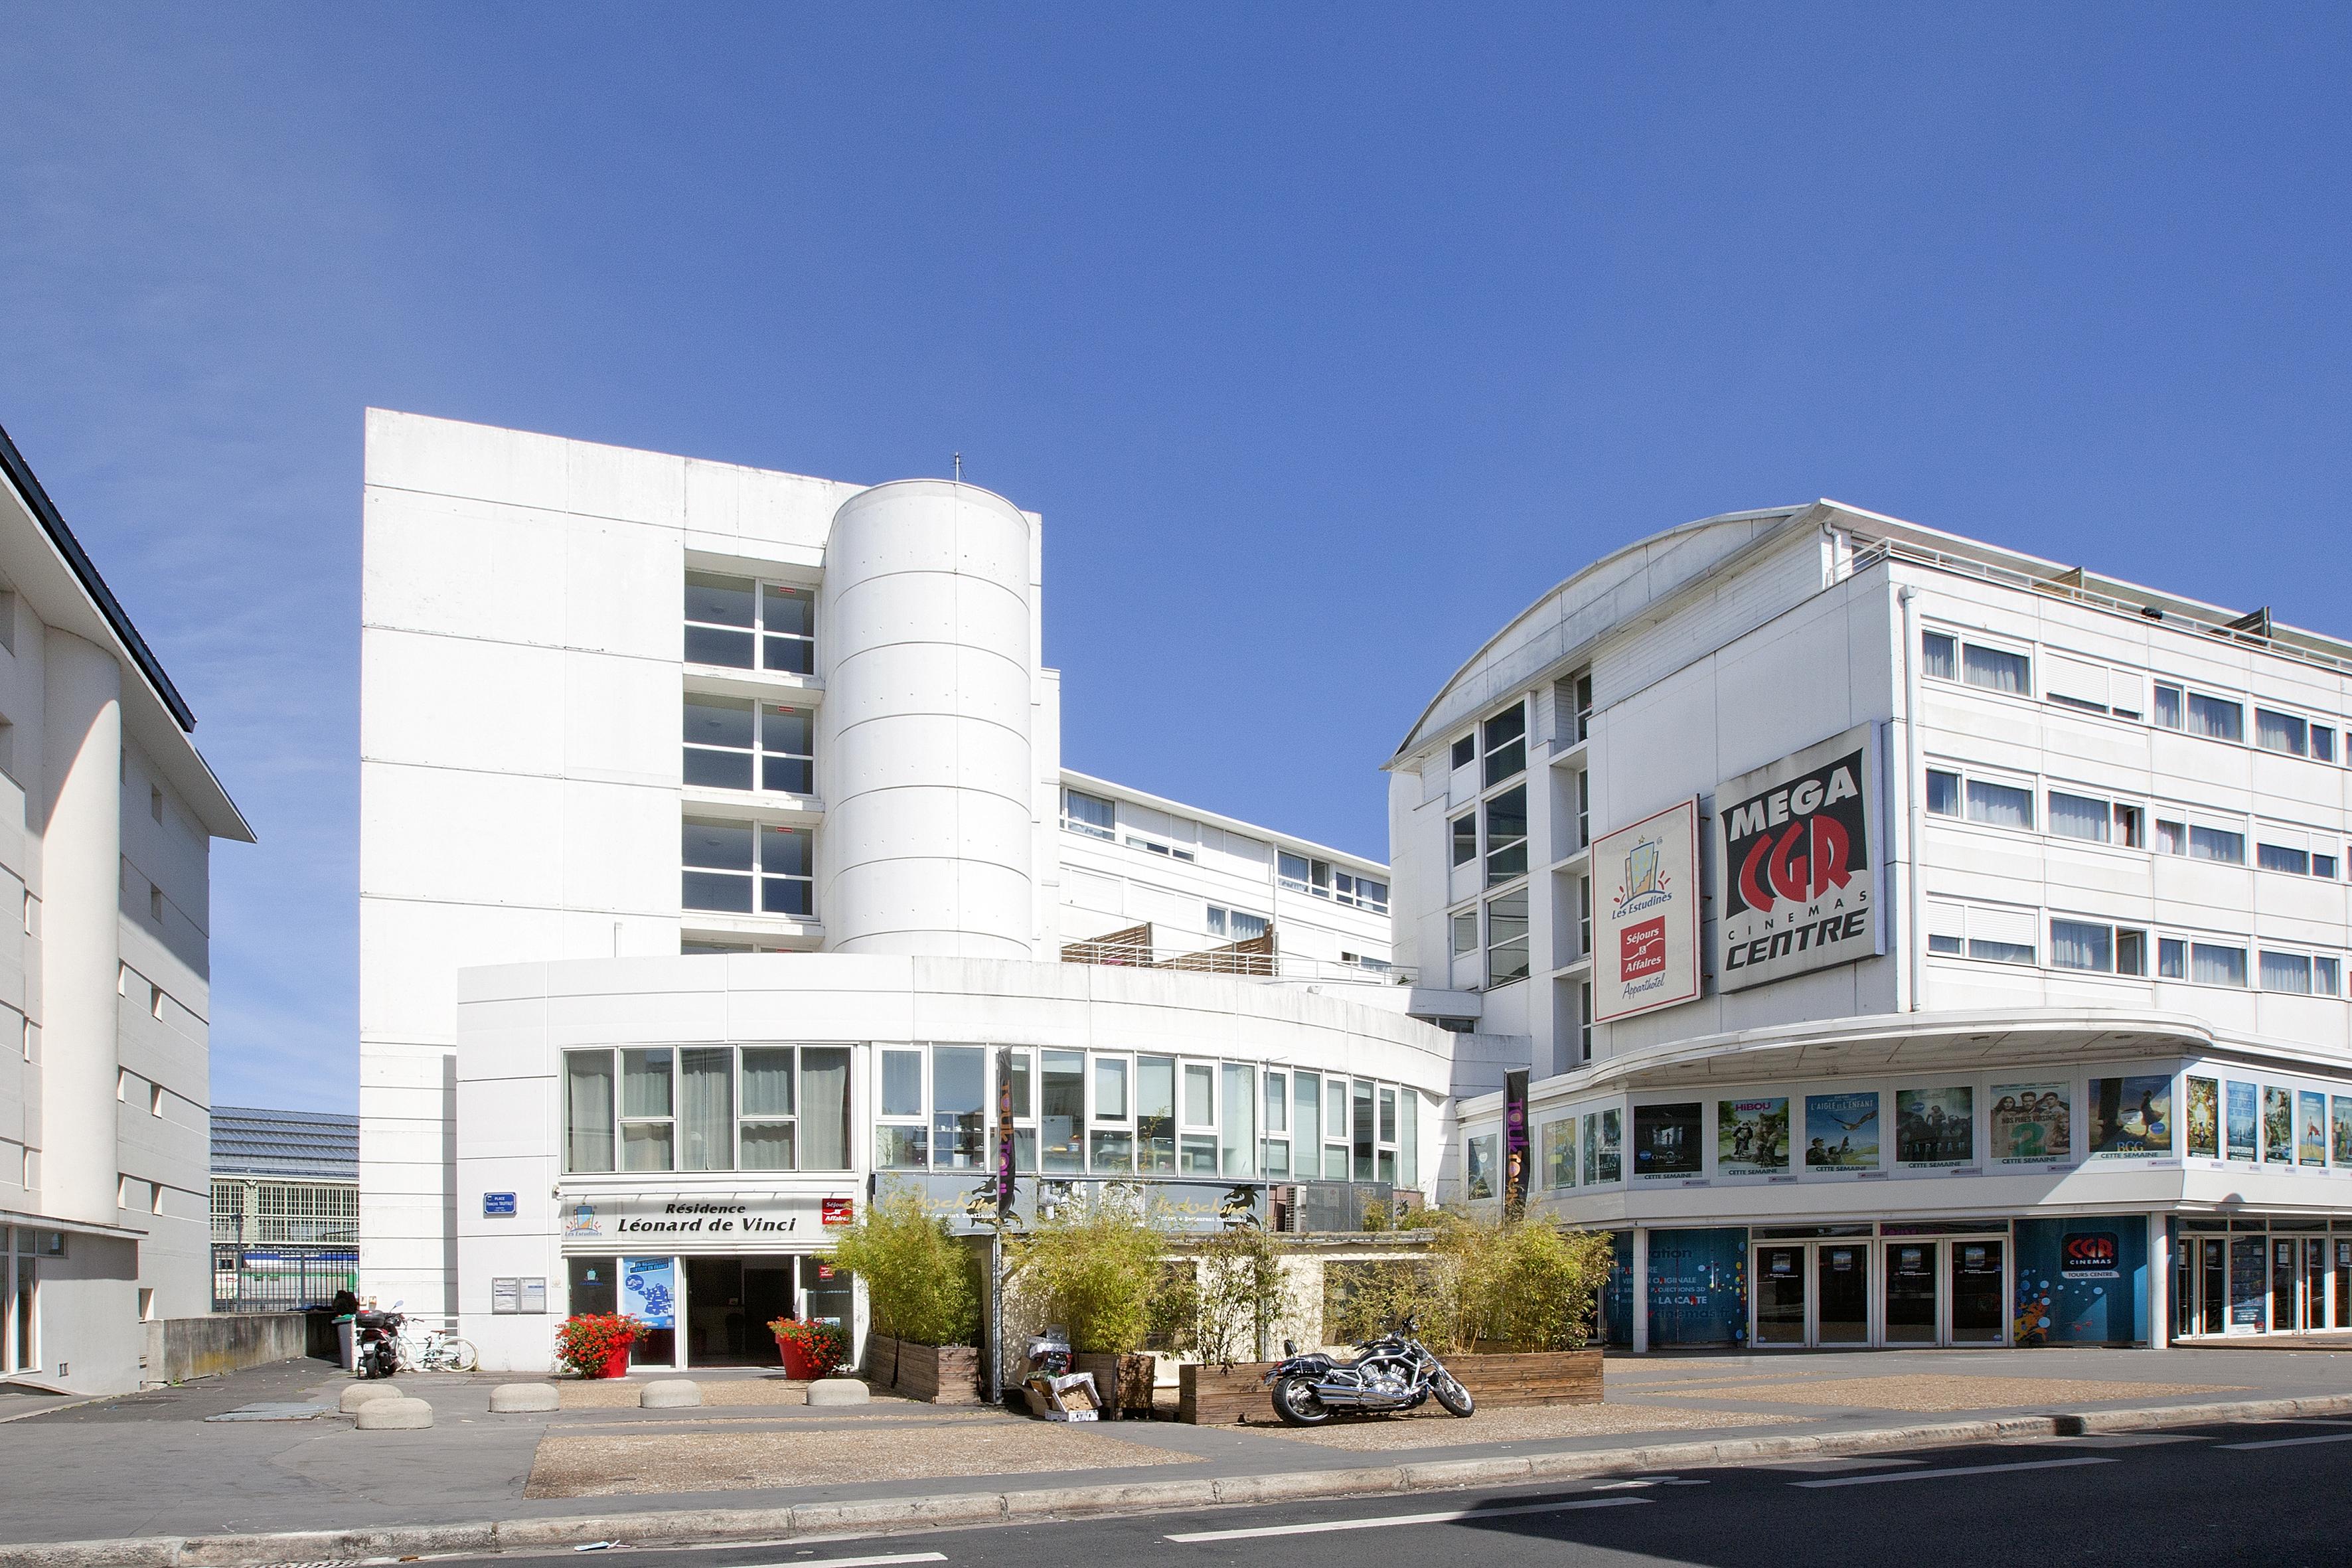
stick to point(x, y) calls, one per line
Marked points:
point(1797, 857)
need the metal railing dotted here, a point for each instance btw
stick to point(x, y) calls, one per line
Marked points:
point(289, 1279)
point(1254, 966)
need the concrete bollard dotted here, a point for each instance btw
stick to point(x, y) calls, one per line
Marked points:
point(360, 1394)
point(839, 1391)
point(508, 1398)
point(395, 1416)
point(669, 1393)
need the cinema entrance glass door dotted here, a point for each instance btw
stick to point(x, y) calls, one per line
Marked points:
point(1942, 1292)
point(1813, 1292)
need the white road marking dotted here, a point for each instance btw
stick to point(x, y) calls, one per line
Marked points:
point(2290, 1442)
point(1451, 1516)
point(861, 1561)
point(1955, 1470)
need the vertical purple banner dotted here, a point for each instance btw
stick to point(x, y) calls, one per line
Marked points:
point(1003, 1137)
point(1514, 1141)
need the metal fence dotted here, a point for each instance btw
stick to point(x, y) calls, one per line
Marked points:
point(281, 1279)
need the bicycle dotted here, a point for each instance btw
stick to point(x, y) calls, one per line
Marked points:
point(442, 1351)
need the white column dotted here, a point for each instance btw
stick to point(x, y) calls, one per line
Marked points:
point(82, 861)
point(2159, 1283)
point(1640, 1290)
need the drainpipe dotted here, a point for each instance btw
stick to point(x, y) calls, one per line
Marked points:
point(1914, 790)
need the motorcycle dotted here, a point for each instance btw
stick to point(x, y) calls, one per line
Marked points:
point(1394, 1373)
point(378, 1342)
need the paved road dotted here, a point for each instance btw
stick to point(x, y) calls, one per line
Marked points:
point(2271, 1494)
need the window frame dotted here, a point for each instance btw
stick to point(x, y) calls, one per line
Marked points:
point(799, 645)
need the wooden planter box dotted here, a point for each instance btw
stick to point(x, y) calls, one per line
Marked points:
point(1124, 1382)
point(1214, 1395)
point(881, 1361)
point(941, 1375)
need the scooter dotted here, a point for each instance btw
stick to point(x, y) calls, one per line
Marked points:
point(378, 1342)
point(1394, 1373)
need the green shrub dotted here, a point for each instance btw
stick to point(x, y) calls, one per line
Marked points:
point(1093, 1265)
point(1520, 1282)
point(922, 1284)
point(1241, 1296)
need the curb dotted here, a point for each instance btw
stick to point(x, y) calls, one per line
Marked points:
point(882, 1516)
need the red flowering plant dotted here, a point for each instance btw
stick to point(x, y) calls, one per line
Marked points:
point(822, 1346)
point(588, 1342)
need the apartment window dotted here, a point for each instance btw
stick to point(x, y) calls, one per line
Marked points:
point(1155, 1114)
point(2213, 963)
point(960, 1107)
point(2322, 744)
point(1359, 892)
point(743, 624)
point(155, 803)
point(2097, 948)
point(2216, 844)
point(1157, 849)
point(733, 742)
point(2079, 816)
point(1506, 836)
point(155, 903)
point(1584, 705)
point(2171, 959)
point(2276, 731)
point(2326, 976)
point(1238, 1138)
point(1465, 932)
point(1943, 793)
point(2216, 718)
point(1999, 805)
point(1089, 814)
point(1504, 739)
point(738, 867)
point(2288, 972)
point(2282, 858)
point(1302, 874)
point(1506, 938)
point(1465, 750)
point(1989, 933)
point(2129, 830)
point(1233, 925)
point(1583, 809)
point(2169, 706)
point(1939, 656)
point(2324, 866)
point(1584, 1021)
point(2171, 838)
point(1335, 1129)
point(154, 1001)
point(1464, 830)
point(1996, 951)
point(1996, 670)
point(155, 1100)
point(1584, 917)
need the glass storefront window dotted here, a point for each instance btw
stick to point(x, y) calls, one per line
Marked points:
point(900, 1148)
point(1409, 1140)
point(1335, 1129)
point(1111, 1152)
point(1200, 1095)
point(1197, 1154)
point(902, 1083)
point(1240, 1137)
point(1023, 1111)
point(1362, 1099)
point(587, 1112)
point(959, 1105)
point(1062, 1105)
point(1155, 1114)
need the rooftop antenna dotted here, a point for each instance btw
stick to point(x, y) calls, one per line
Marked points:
point(959, 463)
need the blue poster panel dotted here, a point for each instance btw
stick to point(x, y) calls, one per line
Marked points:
point(1698, 1286)
point(1842, 1131)
point(650, 1291)
point(2242, 1122)
point(2082, 1281)
point(1617, 1294)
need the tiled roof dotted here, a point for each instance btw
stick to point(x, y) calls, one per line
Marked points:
point(247, 1141)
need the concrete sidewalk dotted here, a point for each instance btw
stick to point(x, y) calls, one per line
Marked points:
point(154, 1468)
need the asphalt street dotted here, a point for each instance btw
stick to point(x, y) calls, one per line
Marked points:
point(2272, 1494)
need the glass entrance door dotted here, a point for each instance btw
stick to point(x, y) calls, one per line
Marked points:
point(1781, 1294)
point(2342, 1248)
point(2283, 1278)
point(2213, 1286)
point(1842, 1293)
point(1911, 1293)
point(1979, 1298)
point(2315, 1283)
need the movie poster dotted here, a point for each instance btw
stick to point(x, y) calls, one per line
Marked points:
point(1666, 1143)
point(2341, 1124)
point(2204, 1118)
point(2311, 1128)
point(1602, 1149)
point(2030, 1125)
point(1560, 1153)
point(1751, 1137)
point(1935, 1127)
point(2242, 1121)
point(2278, 1127)
point(2131, 1118)
point(1842, 1131)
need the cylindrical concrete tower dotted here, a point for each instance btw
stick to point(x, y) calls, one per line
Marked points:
point(922, 740)
point(81, 901)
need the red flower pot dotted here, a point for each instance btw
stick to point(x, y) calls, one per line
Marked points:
point(797, 1362)
point(616, 1363)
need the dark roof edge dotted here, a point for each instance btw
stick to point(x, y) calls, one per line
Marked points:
point(20, 474)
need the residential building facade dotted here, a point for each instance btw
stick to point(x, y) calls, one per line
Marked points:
point(1907, 941)
point(107, 817)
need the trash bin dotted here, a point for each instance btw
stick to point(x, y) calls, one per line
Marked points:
point(347, 1341)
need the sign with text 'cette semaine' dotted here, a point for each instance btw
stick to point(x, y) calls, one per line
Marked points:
point(1798, 845)
point(1645, 916)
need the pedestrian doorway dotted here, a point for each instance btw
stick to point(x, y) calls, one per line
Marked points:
point(1813, 1293)
point(1947, 1292)
point(729, 1302)
point(1905, 1290)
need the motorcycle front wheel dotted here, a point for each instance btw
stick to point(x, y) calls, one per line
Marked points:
point(1451, 1394)
point(1295, 1403)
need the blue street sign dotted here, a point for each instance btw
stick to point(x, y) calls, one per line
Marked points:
point(497, 1205)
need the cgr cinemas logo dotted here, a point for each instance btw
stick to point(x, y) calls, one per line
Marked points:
point(1797, 842)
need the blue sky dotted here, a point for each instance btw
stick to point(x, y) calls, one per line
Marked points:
point(1325, 337)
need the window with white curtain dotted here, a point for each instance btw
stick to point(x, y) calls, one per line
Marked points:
point(2282, 858)
point(2289, 972)
point(1943, 793)
point(2216, 718)
point(2216, 844)
point(706, 1131)
point(1996, 670)
point(2079, 816)
point(2079, 945)
point(2215, 963)
point(2276, 731)
point(707, 1108)
point(1939, 656)
point(587, 1110)
point(2000, 805)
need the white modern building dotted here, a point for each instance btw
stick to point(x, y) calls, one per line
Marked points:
point(107, 818)
point(1909, 941)
point(717, 856)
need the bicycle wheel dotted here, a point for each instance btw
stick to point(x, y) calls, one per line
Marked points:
point(460, 1354)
